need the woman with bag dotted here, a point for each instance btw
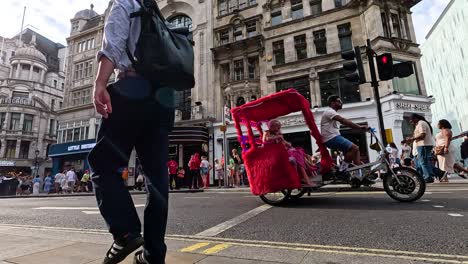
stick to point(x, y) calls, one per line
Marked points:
point(445, 151)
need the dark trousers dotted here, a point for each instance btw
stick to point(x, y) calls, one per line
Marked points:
point(194, 174)
point(145, 126)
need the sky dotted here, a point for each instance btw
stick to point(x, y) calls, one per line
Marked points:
point(51, 18)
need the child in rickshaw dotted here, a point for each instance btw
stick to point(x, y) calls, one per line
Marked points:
point(296, 155)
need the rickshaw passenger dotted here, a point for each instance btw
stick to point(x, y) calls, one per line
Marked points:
point(330, 130)
point(274, 135)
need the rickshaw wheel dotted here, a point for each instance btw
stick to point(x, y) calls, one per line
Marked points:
point(410, 188)
point(275, 198)
point(295, 194)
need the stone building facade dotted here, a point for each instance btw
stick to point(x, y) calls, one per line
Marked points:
point(31, 92)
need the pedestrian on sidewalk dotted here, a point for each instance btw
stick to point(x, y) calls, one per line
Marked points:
point(219, 174)
point(58, 181)
point(47, 183)
point(424, 144)
point(36, 184)
point(180, 178)
point(194, 165)
point(172, 166)
point(84, 181)
point(130, 119)
point(205, 166)
point(71, 179)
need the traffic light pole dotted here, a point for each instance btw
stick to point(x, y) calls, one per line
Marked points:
point(375, 85)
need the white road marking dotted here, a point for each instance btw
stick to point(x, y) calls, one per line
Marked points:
point(425, 200)
point(75, 208)
point(91, 212)
point(197, 197)
point(438, 206)
point(213, 231)
point(456, 215)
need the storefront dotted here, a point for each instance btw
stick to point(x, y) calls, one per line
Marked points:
point(72, 154)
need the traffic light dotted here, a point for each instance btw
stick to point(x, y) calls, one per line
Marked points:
point(385, 66)
point(403, 69)
point(353, 62)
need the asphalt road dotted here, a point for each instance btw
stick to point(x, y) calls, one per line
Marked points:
point(438, 223)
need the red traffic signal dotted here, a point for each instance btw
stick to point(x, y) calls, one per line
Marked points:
point(385, 66)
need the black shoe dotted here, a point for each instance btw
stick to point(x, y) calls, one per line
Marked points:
point(431, 180)
point(121, 248)
point(140, 258)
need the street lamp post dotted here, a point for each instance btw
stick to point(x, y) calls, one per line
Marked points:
point(36, 162)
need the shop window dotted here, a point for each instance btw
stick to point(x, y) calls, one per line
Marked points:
point(238, 70)
point(24, 149)
point(278, 52)
point(297, 10)
point(276, 17)
point(302, 85)
point(407, 128)
point(28, 123)
point(408, 85)
point(333, 83)
point(10, 149)
point(301, 47)
point(15, 121)
point(344, 33)
point(316, 7)
point(320, 41)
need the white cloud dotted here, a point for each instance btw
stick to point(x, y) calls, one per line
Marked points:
point(50, 18)
point(425, 14)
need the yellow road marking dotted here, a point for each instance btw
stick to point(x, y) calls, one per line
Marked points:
point(215, 249)
point(195, 247)
point(434, 257)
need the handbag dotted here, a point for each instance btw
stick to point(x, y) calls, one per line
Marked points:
point(132, 88)
point(164, 56)
point(439, 150)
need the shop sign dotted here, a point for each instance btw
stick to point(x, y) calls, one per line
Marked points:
point(410, 106)
point(17, 101)
point(81, 147)
point(7, 163)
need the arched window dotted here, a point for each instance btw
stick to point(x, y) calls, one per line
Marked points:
point(181, 21)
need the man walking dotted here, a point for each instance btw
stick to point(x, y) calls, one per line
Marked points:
point(144, 124)
point(424, 144)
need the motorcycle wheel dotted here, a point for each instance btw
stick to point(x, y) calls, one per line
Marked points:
point(275, 198)
point(296, 193)
point(411, 187)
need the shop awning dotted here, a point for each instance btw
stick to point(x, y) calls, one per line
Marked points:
point(189, 134)
point(76, 147)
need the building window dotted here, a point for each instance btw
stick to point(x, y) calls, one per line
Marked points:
point(320, 41)
point(20, 95)
point(408, 85)
point(15, 121)
point(25, 67)
point(222, 7)
point(339, 3)
point(85, 45)
point(242, 4)
point(55, 83)
point(276, 17)
point(224, 37)
point(75, 26)
point(252, 67)
point(278, 52)
point(301, 46)
point(238, 70)
point(36, 69)
point(333, 82)
point(240, 101)
point(383, 17)
point(28, 123)
point(396, 25)
point(316, 7)
point(237, 32)
point(80, 97)
point(251, 28)
point(302, 85)
point(78, 71)
point(88, 69)
point(297, 10)
point(24, 149)
point(2, 120)
point(183, 103)
point(181, 21)
point(233, 5)
point(10, 149)
point(344, 33)
point(225, 72)
point(52, 127)
point(52, 104)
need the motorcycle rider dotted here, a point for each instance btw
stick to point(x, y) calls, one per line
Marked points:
point(330, 130)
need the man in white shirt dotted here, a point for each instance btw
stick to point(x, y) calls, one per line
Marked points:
point(330, 130)
point(71, 179)
point(424, 143)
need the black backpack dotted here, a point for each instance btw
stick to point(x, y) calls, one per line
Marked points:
point(164, 56)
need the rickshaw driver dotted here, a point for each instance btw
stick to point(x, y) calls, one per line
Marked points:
point(330, 130)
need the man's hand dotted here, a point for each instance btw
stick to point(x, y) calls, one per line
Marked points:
point(102, 100)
